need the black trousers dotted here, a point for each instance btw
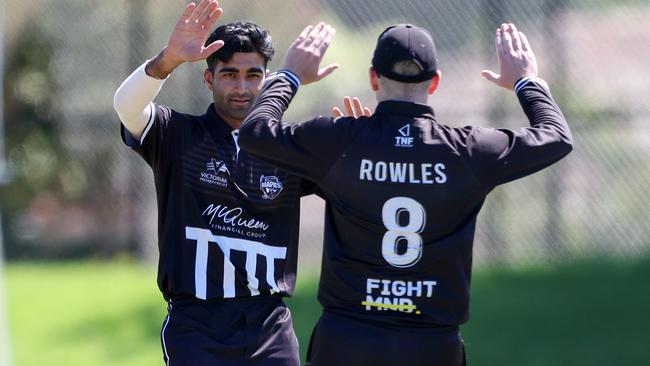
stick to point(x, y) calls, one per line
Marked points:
point(343, 341)
point(246, 332)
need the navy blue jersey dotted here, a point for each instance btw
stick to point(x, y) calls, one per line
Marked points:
point(403, 192)
point(227, 222)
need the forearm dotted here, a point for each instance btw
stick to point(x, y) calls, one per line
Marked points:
point(133, 100)
point(543, 113)
point(264, 122)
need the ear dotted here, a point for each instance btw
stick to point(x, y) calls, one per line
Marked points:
point(374, 84)
point(208, 78)
point(434, 82)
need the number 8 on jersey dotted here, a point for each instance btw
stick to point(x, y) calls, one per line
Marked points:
point(391, 212)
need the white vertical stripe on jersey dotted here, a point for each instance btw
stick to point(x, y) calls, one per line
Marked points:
point(270, 270)
point(253, 282)
point(228, 273)
point(201, 261)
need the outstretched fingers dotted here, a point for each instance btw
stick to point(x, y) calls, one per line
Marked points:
point(187, 13)
point(357, 107)
point(303, 35)
point(313, 38)
point(507, 40)
point(325, 38)
point(525, 45)
point(516, 40)
point(198, 11)
point(207, 18)
point(322, 43)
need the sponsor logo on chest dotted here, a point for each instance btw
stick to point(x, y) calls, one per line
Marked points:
point(213, 173)
point(270, 186)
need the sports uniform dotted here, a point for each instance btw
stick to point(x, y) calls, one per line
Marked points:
point(227, 222)
point(228, 229)
point(403, 192)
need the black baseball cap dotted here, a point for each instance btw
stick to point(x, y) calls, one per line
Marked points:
point(403, 42)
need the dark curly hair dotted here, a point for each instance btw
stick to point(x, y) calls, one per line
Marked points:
point(240, 37)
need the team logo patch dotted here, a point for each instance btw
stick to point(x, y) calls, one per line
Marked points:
point(270, 186)
point(404, 139)
point(212, 173)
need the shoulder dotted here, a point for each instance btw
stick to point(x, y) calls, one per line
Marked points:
point(167, 114)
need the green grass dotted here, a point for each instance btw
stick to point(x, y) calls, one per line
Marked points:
point(84, 314)
point(94, 313)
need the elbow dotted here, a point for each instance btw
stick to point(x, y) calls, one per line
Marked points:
point(568, 147)
point(567, 142)
point(565, 146)
point(119, 103)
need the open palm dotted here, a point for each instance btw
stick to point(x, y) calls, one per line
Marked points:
point(187, 40)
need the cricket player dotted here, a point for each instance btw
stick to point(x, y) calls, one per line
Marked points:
point(403, 192)
point(227, 222)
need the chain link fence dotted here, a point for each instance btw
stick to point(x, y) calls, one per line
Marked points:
point(79, 192)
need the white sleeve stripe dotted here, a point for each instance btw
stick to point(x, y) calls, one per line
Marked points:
point(292, 78)
point(152, 117)
point(526, 80)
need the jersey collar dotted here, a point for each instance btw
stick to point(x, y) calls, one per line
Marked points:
point(404, 108)
point(215, 124)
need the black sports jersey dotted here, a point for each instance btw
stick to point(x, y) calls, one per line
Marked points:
point(227, 222)
point(403, 193)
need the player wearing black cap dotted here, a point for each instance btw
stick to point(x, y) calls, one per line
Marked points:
point(227, 222)
point(403, 192)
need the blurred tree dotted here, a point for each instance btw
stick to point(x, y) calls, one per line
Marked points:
point(34, 151)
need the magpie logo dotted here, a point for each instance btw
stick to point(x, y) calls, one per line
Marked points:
point(270, 186)
point(212, 173)
point(404, 138)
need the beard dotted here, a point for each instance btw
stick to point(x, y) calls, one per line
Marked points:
point(235, 106)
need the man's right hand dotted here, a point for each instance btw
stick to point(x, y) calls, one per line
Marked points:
point(516, 57)
point(187, 41)
point(306, 53)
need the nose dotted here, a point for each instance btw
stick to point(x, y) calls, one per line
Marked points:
point(240, 85)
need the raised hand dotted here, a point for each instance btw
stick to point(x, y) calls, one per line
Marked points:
point(187, 40)
point(516, 57)
point(306, 53)
point(353, 108)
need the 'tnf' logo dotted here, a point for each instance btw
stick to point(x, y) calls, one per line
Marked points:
point(404, 139)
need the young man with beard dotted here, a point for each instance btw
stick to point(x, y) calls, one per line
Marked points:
point(227, 222)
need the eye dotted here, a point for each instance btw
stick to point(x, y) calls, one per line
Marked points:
point(229, 75)
point(254, 76)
